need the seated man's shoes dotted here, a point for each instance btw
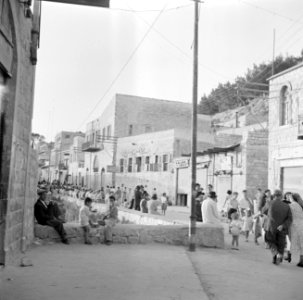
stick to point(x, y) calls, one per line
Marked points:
point(65, 241)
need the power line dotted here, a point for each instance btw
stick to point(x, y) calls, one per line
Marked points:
point(152, 10)
point(125, 65)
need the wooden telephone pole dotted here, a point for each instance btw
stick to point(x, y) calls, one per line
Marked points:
point(192, 228)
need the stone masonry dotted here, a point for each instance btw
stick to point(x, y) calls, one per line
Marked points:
point(18, 161)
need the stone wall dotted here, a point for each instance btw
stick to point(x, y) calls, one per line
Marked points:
point(207, 235)
point(17, 175)
point(256, 161)
point(285, 149)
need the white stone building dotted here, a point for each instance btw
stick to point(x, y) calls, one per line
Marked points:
point(286, 130)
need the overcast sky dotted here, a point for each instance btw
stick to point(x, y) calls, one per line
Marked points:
point(143, 48)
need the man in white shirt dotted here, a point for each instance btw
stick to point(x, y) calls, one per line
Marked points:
point(209, 209)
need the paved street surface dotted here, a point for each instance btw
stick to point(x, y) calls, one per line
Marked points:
point(80, 272)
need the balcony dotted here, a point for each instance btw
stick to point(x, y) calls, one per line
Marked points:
point(92, 147)
point(300, 127)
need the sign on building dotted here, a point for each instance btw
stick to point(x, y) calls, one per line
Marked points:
point(181, 163)
point(111, 169)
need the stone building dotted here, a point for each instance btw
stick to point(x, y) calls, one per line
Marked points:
point(131, 116)
point(147, 159)
point(238, 158)
point(286, 130)
point(67, 143)
point(18, 162)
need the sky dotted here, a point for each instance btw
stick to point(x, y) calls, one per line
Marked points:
point(144, 48)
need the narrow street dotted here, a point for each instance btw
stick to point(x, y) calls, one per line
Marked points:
point(151, 272)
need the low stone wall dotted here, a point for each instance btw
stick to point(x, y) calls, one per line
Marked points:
point(207, 235)
point(127, 216)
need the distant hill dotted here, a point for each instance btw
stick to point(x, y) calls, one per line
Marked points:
point(252, 85)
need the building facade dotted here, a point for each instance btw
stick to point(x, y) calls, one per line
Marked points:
point(18, 161)
point(129, 116)
point(235, 162)
point(286, 130)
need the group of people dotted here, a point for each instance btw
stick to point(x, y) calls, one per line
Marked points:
point(278, 217)
point(142, 201)
point(47, 212)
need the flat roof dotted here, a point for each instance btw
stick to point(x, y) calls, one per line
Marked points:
point(286, 71)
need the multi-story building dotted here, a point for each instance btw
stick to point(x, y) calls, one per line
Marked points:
point(44, 151)
point(127, 116)
point(63, 148)
point(76, 161)
point(286, 130)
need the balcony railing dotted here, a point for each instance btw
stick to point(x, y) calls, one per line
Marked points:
point(92, 147)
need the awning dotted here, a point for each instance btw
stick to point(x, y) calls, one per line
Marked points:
point(215, 150)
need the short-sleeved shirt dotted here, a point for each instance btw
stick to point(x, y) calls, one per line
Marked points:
point(84, 215)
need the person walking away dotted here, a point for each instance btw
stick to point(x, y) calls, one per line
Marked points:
point(153, 205)
point(163, 200)
point(296, 229)
point(226, 202)
point(235, 230)
point(245, 203)
point(44, 216)
point(233, 205)
point(138, 198)
point(118, 196)
point(143, 203)
point(111, 218)
point(85, 219)
point(209, 209)
point(247, 223)
point(279, 220)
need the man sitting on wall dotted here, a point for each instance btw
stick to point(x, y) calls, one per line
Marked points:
point(45, 216)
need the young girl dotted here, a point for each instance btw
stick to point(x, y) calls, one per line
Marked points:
point(248, 223)
point(235, 229)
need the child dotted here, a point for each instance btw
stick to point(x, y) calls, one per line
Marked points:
point(86, 223)
point(248, 223)
point(163, 203)
point(235, 229)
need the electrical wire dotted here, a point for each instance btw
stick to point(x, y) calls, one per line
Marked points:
point(124, 66)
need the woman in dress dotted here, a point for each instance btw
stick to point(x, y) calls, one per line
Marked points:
point(296, 228)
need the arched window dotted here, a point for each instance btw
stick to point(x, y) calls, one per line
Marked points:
point(285, 106)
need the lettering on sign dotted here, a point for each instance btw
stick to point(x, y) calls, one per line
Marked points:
point(182, 163)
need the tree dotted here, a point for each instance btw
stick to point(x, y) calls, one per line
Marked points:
point(245, 88)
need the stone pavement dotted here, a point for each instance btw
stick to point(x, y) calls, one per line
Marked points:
point(157, 272)
point(78, 272)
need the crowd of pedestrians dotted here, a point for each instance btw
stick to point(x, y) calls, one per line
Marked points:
point(276, 217)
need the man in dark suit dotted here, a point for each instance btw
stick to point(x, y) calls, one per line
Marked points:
point(44, 215)
point(279, 220)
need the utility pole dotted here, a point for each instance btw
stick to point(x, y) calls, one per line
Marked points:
point(273, 53)
point(192, 228)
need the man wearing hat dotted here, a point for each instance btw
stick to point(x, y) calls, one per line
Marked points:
point(44, 217)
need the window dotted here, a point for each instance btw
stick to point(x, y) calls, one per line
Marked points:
point(165, 162)
point(109, 131)
point(103, 134)
point(67, 136)
point(156, 164)
point(291, 179)
point(285, 106)
point(138, 163)
point(130, 129)
point(130, 165)
point(147, 163)
point(239, 159)
point(121, 165)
